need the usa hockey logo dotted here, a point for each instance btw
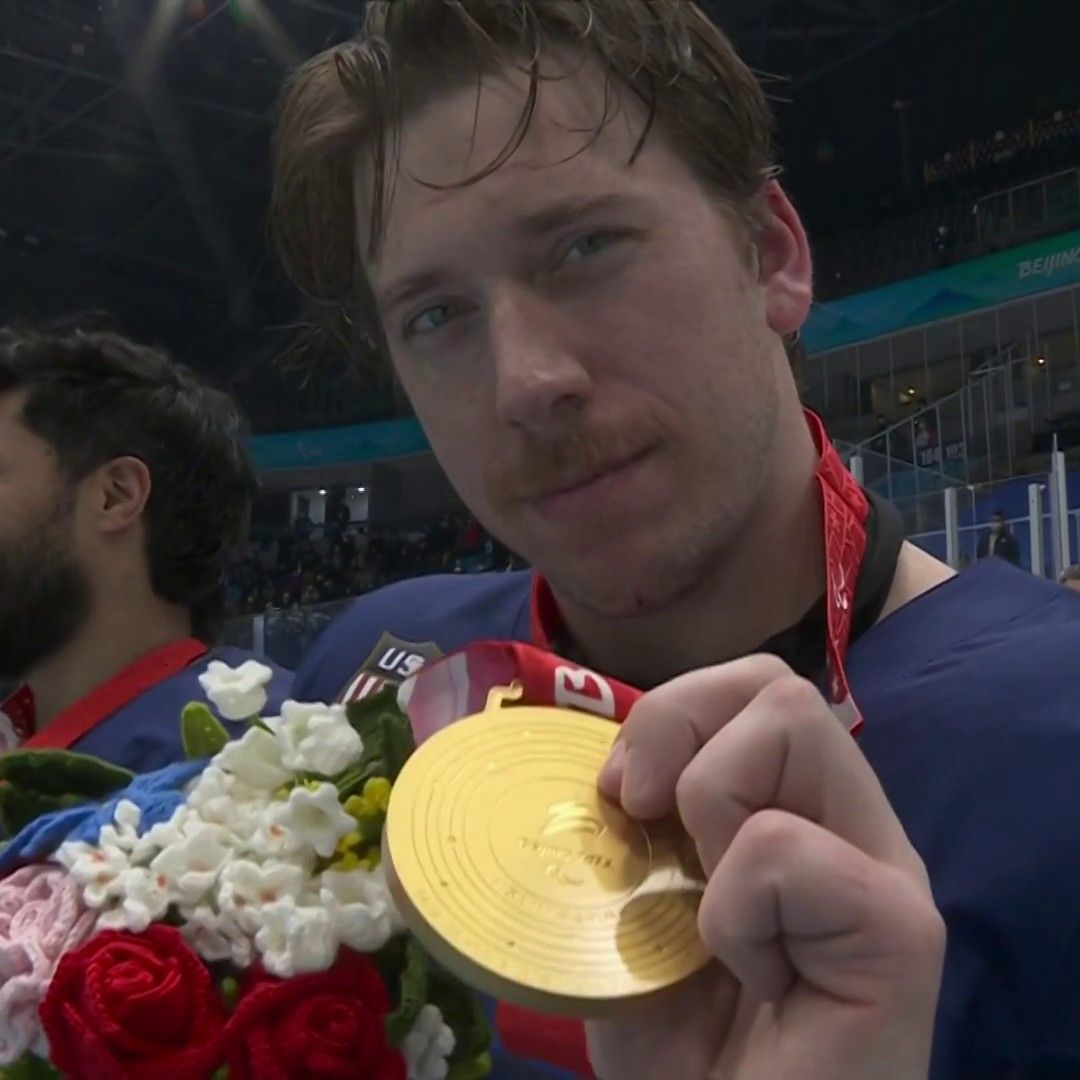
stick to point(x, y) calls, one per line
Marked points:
point(391, 662)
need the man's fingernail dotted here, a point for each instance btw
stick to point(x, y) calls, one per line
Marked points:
point(637, 786)
point(611, 775)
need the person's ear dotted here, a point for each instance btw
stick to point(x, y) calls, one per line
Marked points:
point(121, 492)
point(785, 266)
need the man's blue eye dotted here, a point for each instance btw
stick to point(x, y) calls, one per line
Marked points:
point(588, 246)
point(432, 318)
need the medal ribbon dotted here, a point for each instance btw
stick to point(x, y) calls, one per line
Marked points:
point(442, 693)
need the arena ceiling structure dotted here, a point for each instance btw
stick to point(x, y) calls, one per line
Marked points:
point(134, 145)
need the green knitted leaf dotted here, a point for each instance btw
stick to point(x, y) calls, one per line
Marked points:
point(386, 734)
point(18, 808)
point(474, 1068)
point(465, 1015)
point(413, 987)
point(202, 732)
point(29, 1068)
point(351, 782)
point(62, 772)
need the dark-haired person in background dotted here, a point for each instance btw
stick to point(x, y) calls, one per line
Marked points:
point(124, 482)
point(999, 542)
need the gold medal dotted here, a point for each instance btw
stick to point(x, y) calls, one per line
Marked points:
point(515, 873)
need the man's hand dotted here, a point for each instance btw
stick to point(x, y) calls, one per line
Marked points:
point(818, 910)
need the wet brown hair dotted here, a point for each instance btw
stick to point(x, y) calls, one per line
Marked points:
point(351, 101)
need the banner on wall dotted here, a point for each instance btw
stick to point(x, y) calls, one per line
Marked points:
point(320, 447)
point(957, 290)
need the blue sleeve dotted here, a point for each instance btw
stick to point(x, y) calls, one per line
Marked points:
point(144, 735)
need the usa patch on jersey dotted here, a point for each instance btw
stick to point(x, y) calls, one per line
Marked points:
point(391, 662)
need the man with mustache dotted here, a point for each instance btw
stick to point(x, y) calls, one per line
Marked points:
point(560, 223)
point(124, 482)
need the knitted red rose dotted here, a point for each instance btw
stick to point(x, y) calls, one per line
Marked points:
point(324, 1025)
point(133, 1006)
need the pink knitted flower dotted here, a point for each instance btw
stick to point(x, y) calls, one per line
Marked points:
point(42, 916)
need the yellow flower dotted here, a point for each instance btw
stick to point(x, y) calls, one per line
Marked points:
point(350, 841)
point(377, 791)
point(348, 861)
point(372, 803)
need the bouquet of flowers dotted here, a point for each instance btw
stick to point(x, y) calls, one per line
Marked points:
point(226, 916)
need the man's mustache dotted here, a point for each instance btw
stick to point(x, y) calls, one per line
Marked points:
point(542, 466)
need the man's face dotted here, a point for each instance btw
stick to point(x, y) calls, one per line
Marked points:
point(586, 343)
point(44, 593)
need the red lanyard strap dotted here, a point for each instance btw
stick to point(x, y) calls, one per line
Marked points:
point(844, 509)
point(108, 697)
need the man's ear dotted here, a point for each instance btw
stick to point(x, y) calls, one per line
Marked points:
point(122, 491)
point(786, 268)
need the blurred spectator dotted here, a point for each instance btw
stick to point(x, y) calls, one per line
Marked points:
point(313, 564)
point(999, 542)
point(1044, 143)
point(954, 215)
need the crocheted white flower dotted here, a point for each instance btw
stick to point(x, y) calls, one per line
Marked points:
point(427, 1047)
point(162, 835)
point(145, 897)
point(216, 937)
point(359, 902)
point(96, 870)
point(316, 817)
point(221, 798)
point(191, 865)
point(273, 839)
point(238, 693)
point(255, 760)
point(294, 940)
point(246, 887)
point(124, 832)
point(316, 738)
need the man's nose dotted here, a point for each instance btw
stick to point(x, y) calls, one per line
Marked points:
point(538, 377)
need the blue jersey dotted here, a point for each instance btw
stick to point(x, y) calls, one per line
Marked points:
point(972, 723)
point(144, 734)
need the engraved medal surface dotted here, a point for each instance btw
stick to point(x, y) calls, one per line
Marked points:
point(518, 876)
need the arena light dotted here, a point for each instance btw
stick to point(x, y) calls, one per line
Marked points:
point(253, 14)
point(149, 55)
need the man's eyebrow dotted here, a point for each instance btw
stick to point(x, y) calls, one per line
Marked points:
point(557, 215)
point(409, 287)
point(543, 221)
